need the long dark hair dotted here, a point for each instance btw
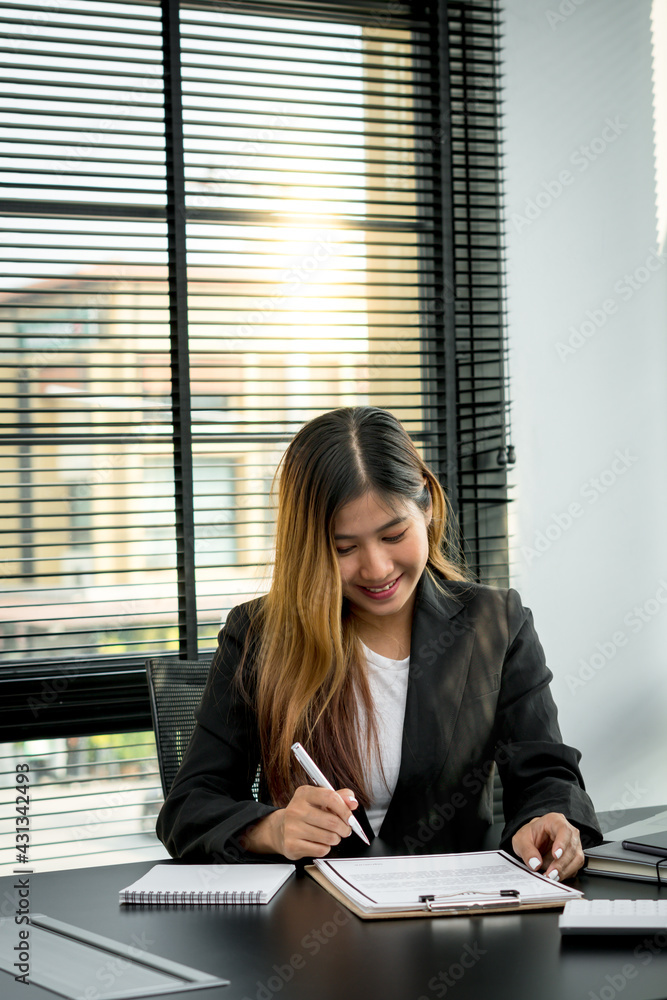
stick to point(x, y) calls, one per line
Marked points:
point(310, 671)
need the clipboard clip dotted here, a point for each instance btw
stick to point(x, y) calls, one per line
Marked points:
point(471, 899)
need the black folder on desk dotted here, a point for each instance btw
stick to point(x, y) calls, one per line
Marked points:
point(615, 861)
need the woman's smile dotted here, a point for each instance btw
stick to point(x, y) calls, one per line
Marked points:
point(383, 592)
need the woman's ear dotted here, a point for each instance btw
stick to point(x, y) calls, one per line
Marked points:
point(428, 513)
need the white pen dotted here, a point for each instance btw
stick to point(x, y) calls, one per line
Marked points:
point(314, 773)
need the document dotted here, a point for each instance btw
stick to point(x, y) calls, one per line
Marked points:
point(491, 880)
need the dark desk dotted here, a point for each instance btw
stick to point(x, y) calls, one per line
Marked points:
point(304, 946)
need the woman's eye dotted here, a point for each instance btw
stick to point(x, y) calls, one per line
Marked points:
point(387, 538)
point(395, 538)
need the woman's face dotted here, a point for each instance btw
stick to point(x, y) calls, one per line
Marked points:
point(381, 553)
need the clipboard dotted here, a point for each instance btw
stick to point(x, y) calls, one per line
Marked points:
point(467, 910)
point(468, 903)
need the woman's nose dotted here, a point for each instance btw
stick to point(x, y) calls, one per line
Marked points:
point(375, 566)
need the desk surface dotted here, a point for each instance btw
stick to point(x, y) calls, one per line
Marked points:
point(304, 946)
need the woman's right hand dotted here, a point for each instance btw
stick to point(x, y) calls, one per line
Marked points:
point(314, 821)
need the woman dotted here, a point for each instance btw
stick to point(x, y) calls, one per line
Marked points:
point(405, 681)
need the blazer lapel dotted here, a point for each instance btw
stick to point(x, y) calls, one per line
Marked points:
point(440, 652)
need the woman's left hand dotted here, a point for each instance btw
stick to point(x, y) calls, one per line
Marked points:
point(551, 843)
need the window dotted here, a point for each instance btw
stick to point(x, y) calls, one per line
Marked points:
point(219, 221)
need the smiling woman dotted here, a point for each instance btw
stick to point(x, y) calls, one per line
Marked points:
point(338, 656)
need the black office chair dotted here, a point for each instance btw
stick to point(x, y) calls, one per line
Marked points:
point(175, 688)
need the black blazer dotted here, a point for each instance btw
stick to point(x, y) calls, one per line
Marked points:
point(478, 696)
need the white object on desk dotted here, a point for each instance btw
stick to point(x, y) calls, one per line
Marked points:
point(613, 916)
point(196, 885)
point(409, 884)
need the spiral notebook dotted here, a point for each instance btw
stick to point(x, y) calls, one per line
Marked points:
point(197, 885)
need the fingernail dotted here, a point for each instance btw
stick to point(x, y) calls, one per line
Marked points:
point(534, 863)
point(558, 853)
point(554, 876)
point(353, 803)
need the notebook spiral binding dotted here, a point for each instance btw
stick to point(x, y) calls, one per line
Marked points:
point(201, 898)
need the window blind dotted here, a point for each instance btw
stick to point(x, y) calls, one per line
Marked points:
point(220, 220)
point(476, 385)
point(90, 801)
point(308, 248)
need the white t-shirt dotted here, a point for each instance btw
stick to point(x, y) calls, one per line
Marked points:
point(388, 681)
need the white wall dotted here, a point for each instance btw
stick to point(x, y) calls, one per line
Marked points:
point(590, 423)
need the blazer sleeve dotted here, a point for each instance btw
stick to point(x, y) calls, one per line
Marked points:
point(539, 772)
point(211, 801)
